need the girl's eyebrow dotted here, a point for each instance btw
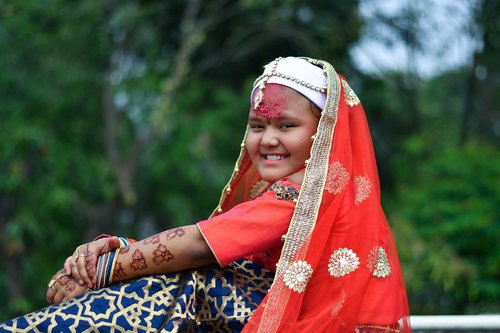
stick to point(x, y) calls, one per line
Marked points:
point(255, 118)
point(262, 119)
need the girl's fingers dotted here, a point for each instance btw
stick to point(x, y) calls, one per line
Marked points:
point(52, 287)
point(67, 264)
point(111, 244)
point(50, 295)
point(87, 264)
point(88, 267)
point(83, 262)
point(75, 273)
point(58, 297)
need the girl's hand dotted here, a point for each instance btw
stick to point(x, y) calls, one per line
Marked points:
point(82, 265)
point(63, 287)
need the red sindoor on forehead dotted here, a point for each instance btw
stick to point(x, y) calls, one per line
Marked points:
point(274, 102)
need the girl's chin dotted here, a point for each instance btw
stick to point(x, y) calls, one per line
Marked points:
point(272, 177)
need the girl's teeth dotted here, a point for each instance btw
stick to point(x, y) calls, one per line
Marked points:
point(274, 157)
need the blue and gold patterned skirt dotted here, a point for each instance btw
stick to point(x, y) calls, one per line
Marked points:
point(209, 299)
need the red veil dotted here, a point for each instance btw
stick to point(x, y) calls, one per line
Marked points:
point(339, 270)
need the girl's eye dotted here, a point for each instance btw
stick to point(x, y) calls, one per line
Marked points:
point(284, 126)
point(256, 126)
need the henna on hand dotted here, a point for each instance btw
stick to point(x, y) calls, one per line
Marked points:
point(162, 254)
point(56, 277)
point(69, 283)
point(177, 232)
point(119, 272)
point(152, 240)
point(60, 273)
point(125, 249)
point(139, 263)
point(90, 266)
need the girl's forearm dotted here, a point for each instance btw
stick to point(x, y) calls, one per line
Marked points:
point(169, 251)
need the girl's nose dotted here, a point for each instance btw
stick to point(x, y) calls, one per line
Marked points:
point(269, 138)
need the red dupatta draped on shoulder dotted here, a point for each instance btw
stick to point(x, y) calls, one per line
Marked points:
point(339, 270)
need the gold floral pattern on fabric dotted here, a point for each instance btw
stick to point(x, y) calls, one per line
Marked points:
point(342, 262)
point(337, 178)
point(378, 263)
point(350, 96)
point(258, 188)
point(363, 188)
point(297, 275)
point(283, 192)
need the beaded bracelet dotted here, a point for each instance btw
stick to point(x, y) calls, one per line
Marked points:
point(106, 265)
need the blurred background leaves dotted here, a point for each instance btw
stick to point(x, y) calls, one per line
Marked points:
point(125, 117)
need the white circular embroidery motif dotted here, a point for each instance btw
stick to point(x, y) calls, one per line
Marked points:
point(363, 189)
point(342, 262)
point(337, 178)
point(378, 263)
point(297, 275)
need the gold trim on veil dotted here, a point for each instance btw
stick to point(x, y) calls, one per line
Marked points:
point(303, 221)
point(306, 210)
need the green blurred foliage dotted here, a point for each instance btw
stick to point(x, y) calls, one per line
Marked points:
point(80, 87)
point(79, 76)
point(438, 143)
point(448, 220)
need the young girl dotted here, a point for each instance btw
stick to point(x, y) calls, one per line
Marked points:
point(298, 242)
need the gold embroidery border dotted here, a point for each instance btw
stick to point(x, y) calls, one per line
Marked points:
point(306, 210)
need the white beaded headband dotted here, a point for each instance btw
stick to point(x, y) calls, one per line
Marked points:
point(297, 73)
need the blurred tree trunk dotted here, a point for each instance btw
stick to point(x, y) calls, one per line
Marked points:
point(126, 161)
point(481, 114)
point(470, 101)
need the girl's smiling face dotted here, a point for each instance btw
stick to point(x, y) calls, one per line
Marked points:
point(280, 130)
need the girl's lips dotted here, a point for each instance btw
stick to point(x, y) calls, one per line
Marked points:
point(275, 157)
